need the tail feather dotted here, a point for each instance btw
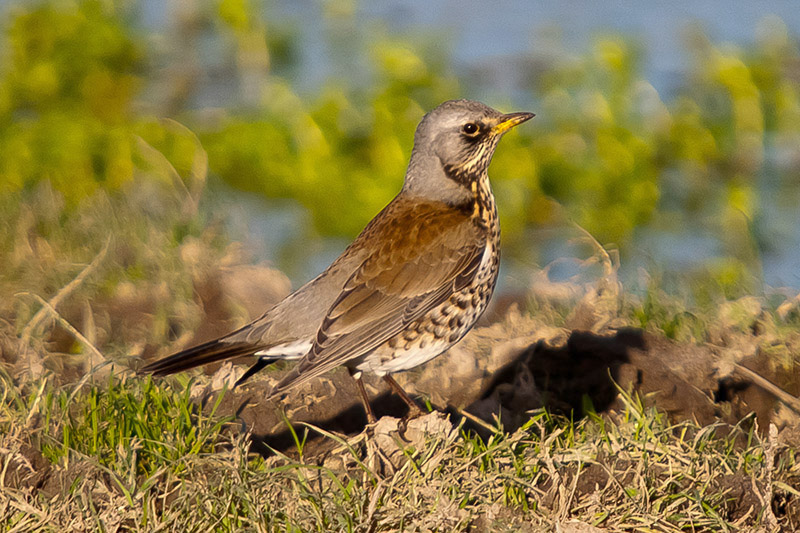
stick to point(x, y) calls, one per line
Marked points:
point(261, 363)
point(201, 354)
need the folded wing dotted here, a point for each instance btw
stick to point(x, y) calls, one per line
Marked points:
point(431, 252)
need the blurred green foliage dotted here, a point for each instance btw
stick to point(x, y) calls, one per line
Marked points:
point(68, 81)
point(605, 149)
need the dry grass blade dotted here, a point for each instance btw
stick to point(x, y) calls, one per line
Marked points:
point(770, 521)
point(479, 421)
point(159, 161)
point(48, 308)
point(34, 366)
point(198, 172)
point(65, 291)
point(762, 382)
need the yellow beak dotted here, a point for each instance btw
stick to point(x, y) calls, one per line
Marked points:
point(510, 120)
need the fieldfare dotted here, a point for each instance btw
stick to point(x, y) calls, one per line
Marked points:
point(411, 285)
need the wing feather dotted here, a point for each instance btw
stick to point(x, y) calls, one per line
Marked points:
point(437, 255)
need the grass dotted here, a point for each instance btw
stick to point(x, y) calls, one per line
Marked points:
point(86, 446)
point(133, 456)
point(154, 426)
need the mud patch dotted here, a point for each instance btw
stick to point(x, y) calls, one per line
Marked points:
point(739, 499)
point(22, 466)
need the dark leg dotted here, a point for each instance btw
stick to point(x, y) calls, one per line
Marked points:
point(365, 400)
point(414, 410)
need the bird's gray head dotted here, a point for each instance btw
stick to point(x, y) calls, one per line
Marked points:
point(453, 147)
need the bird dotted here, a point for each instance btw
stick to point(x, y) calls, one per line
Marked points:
point(410, 286)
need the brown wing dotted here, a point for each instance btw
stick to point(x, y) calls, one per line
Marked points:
point(429, 252)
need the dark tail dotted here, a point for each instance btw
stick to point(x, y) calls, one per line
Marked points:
point(261, 363)
point(209, 352)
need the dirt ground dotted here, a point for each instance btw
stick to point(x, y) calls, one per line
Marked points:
point(501, 372)
point(516, 362)
point(564, 373)
point(506, 370)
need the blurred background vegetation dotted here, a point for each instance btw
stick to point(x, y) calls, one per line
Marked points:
point(159, 157)
point(290, 130)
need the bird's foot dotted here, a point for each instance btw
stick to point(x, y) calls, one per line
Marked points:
point(414, 411)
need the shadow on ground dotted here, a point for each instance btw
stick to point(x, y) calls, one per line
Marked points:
point(585, 372)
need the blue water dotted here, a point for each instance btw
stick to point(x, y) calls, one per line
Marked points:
point(490, 43)
point(494, 38)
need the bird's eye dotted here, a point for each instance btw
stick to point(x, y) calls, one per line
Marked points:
point(470, 128)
